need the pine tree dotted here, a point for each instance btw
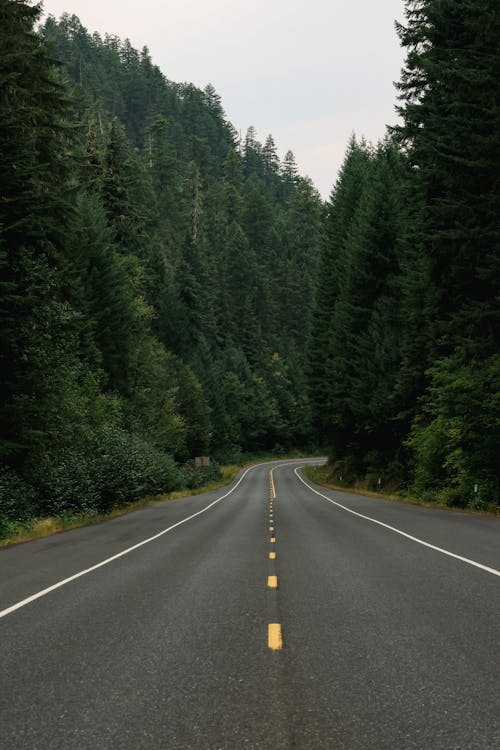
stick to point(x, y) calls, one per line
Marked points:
point(331, 277)
point(252, 154)
point(451, 123)
point(303, 245)
point(289, 176)
point(373, 319)
point(270, 157)
point(117, 190)
point(448, 91)
point(36, 336)
point(107, 294)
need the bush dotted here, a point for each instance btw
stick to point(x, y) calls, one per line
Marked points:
point(68, 480)
point(131, 468)
point(197, 476)
point(231, 454)
point(161, 473)
point(453, 497)
point(103, 468)
point(17, 501)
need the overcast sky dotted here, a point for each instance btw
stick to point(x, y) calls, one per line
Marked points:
point(309, 72)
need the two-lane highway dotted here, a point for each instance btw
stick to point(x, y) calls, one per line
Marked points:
point(163, 628)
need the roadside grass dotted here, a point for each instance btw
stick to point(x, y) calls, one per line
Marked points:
point(322, 476)
point(41, 527)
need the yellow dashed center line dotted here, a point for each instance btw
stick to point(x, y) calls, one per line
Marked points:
point(271, 482)
point(274, 637)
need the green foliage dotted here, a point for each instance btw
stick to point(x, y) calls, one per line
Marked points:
point(36, 335)
point(166, 293)
point(131, 468)
point(450, 129)
point(100, 470)
point(454, 444)
point(17, 501)
point(404, 365)
point(198, 476)
point(143, 259)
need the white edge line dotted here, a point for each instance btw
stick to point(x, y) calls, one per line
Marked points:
point(475, 564)
point(44, 592)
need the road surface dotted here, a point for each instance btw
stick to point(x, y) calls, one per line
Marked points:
point(366, 624)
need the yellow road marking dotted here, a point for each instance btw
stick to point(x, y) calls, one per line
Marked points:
point(274, 637)
point(272, 539)
point(272, 582)
point(271, 481)
point(271, 528)
point(272, 555)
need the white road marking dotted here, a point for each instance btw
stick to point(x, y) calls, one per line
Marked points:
point(44, 592)
point(475, 564)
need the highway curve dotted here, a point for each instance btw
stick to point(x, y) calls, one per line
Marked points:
point(273, 618)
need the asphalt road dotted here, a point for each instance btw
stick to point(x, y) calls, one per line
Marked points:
point(387, 641)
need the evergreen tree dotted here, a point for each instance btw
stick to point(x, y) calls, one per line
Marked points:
point(303, 245)
point(449, 103)
point(289, 176)
point(252, 154)
point(333, 266)
point(36, 336)
point(270, 157)
point(117, 190)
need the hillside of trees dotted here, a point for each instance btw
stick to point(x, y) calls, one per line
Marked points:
point(156, 276)
point(168, 290)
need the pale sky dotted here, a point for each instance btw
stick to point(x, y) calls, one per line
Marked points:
point(310, 73)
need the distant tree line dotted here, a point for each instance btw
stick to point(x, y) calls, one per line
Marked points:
point(168, 290)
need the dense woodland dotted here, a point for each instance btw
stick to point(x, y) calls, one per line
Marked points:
point(169, 289)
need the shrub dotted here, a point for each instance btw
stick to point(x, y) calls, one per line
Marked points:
point(67, 479)
point(101, 469)
point(131, 468)
point(453, 497)
point(197, 476)
point(17, 501)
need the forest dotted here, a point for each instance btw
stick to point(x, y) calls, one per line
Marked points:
point(169, 289)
